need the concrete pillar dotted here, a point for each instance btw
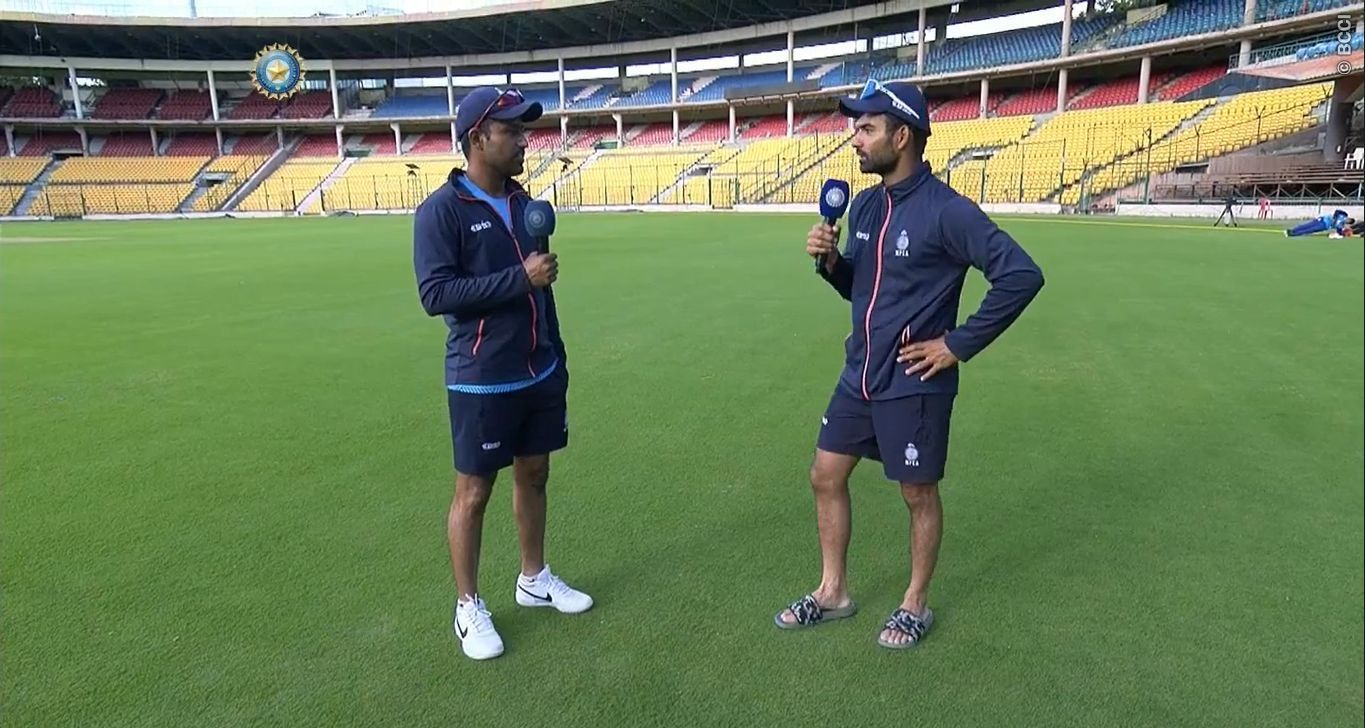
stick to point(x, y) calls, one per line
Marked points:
point(675, 126)
point(985, 96)
point(1066, 28)
point(75, 92)
point(1144, 79)
point(454, 141)
point(673, 71)
point(1249, 12)
point(563, 131)
point(219, 134)
point(450, 92)
point(1061, 91)
point(336, 99)
point(732, 130)
point(397, 138)
point(620, 130)
point(341, 149)
point(791, 47)
point(919, 50)
point(213, 95)
point(1244, 54)
point(85, 139)
point(279, 137)
point(791, 117)
point(9, 137)
point(156, 143)
point(562, 100)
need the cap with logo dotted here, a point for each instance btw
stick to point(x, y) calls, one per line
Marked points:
point(486, 102)
point(900, 99)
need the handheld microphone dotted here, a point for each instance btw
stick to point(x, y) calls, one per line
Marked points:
point(540, 220)
point(833, 204)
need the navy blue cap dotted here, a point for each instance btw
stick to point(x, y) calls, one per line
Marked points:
point(486, 102)
point(900, 99)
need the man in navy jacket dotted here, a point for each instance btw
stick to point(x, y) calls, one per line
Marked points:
point(506, 373)
point(913, 240)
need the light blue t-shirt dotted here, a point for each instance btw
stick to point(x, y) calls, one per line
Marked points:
point(497, 203)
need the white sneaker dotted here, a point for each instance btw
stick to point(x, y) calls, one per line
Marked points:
point(547, 590)
point(473, 624)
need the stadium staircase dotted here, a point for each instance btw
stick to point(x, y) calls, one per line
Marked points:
point(36, 188)
point(310, 202)
point(768, 188)
point(273, 163)
point(696, 87)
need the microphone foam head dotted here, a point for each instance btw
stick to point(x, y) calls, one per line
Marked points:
point(833, 199)
point(540, 218)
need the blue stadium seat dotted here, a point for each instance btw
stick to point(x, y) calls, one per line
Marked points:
point(1010, 47)
point(1275, 9)
point(658, 92)
point(716, 91)
point(424, 105)
point(1188, 18)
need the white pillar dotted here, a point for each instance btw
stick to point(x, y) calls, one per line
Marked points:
point(1249, 12)
point(1061, 91)
point(156, 146)
point(340, 150)
point(219, 134)
point(673, 70)
point(791, 47)
point(562, 100)
point(1144, 79)
point(450, 93)
point(454, 142)
point(213, 95)
point(675, 127)
point(9, 139)
point(919, 50)
point(791, 117)
point(397, 138)
point(985, 95)
point(85, 139)
point(279, 137)
point(563, 131)
point(732, 129)
point(1066, 28)
point(1244, 54)
point(75, 92)
point(620, 130)
point(336, 100)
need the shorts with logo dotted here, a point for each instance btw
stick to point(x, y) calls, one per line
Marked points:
point(488, 430)
point(908, 436)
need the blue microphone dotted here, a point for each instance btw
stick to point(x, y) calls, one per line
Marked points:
point(540, 219)
point(833, 204)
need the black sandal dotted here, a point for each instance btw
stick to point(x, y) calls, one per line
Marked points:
point(906, 623)
point(809, 613)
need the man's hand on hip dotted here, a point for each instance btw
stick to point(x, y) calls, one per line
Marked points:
point(930, 357)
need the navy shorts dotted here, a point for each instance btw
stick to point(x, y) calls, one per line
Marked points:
point(488, 430)
point(908, 436)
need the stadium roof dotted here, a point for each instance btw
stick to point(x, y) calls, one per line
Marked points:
point(489, 30)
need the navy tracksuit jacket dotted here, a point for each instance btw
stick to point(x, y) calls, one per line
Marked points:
point(909, 247)
point(504, 333)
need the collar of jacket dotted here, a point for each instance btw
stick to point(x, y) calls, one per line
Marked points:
point(902, 189)
point(512, 187)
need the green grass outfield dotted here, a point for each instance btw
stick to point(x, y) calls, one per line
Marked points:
point(227, 465)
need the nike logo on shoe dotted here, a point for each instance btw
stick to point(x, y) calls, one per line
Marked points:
point(533, 595)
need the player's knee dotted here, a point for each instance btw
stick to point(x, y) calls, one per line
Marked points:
point(920, 495)
point(824, 482)
point(534, 474)
point(472, 493)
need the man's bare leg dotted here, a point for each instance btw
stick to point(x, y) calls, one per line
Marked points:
point(926, 532)
point(528, 502)
point(464, 529)
point(829, 483)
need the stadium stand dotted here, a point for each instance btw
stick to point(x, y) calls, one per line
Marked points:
point(239, 167)
point(134, 144)
point(1275, 9)
point(308, 105)
point(186, 106)
point(1010, 47)
point(126, 103)
point(68, 200)
point(254, 106)
point(190, 144)
point(286, 189)
point(33, 103)
point(1188, 83)
point(1192, 17)
point(1038, 101)
point(128, 169)
point(319, 145)
point(45, 143)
